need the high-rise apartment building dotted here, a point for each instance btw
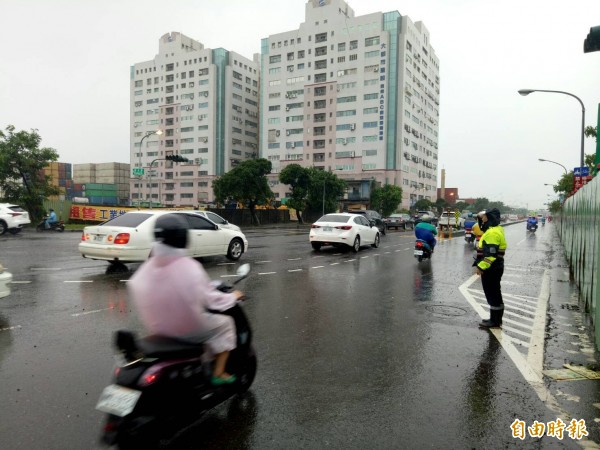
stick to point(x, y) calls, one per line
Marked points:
point(358, 96)
point(205, 104)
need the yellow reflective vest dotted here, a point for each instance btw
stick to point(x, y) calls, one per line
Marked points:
point(492, 246)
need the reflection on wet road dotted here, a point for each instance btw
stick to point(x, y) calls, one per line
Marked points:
point(356, 350)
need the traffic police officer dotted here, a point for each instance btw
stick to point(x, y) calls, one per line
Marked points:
point(490, 264)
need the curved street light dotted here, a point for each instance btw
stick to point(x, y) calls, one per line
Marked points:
point(554, 162)
point(150, 133)
point(525, 92)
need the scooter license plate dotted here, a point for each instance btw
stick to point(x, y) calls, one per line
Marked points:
point(468, 235)
point(118, 400)
point(418, 252)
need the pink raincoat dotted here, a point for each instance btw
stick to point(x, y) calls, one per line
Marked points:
point(172, 293)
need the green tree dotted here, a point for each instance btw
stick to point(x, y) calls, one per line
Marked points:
point(325, 190)
point(463, 206)
point(591, 132)
point(500, 205)
point(565, 184)
point(246, 183)
point(440, 205)
point(298, 178)
point(386, 199)
point(21, 170)
point(423, 205)
point(554, 206)
point(481, 204)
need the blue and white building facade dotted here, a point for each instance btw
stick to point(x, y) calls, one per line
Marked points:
point(358, 96)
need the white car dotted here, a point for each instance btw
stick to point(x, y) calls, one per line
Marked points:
point(353, 230)
point(5, 279)
point(213, 217)
point(12, 218)
point(129, 238)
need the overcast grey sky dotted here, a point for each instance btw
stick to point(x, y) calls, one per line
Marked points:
point(65, 71)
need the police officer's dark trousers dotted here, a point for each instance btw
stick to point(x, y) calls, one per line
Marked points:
point(490, 280)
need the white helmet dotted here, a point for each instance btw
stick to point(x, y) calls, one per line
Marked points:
point(425, 218)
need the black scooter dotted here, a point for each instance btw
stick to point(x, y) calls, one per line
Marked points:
point(163, 385)
point(56, 226)
point(422, 250)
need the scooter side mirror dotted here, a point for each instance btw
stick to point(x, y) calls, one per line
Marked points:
point(243, 270)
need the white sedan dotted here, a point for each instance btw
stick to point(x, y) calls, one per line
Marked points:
point(337, 229)
point(5, 279)
point(129, 238)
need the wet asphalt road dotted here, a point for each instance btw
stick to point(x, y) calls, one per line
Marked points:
point(367, 350)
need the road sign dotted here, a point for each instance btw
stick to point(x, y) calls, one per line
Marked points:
point(138, 171)
point(581, 171)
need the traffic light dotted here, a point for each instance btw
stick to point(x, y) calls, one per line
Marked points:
point(176, 158)
point(592, 42)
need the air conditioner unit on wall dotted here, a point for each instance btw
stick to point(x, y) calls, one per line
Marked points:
point(353, 126)
point(288, 132)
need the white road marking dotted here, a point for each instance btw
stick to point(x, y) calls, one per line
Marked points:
point(294, 259)
point(46, 268)
point(333, 264)
point(363, 257)
point(535, 356)
point(294, 270)
point(531, 374)
point(266, 273)
point(317, 267)
point(350, 260)
point(262, 262)
point(229, 276)
point(11, 328)
point(91, 312)
point(20, 282)
point(226, 264)
point(78, 281)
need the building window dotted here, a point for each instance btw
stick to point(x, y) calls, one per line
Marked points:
point(372, 41)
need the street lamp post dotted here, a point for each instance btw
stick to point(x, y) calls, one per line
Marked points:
point(157, 132)
point(150, 178)
point(554, 162)
point(525, 92)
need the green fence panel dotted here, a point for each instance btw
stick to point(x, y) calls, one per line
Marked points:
point(579, 229)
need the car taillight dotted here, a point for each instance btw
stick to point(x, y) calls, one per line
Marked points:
point(122, 238)
point(315, 226)
point(83, 236)
point(344, 227)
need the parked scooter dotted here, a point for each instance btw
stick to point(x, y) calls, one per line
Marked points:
point(56, 226)
point(422, 250)
point(163, 384)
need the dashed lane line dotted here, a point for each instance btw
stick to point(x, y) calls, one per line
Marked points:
point(91, 312)
point(78, 281)
point(15, 327)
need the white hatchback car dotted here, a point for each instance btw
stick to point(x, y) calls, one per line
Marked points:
point(213, 217)
point(129, 238)
point(353, 230)
point(5, 279)
point(12, 218)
